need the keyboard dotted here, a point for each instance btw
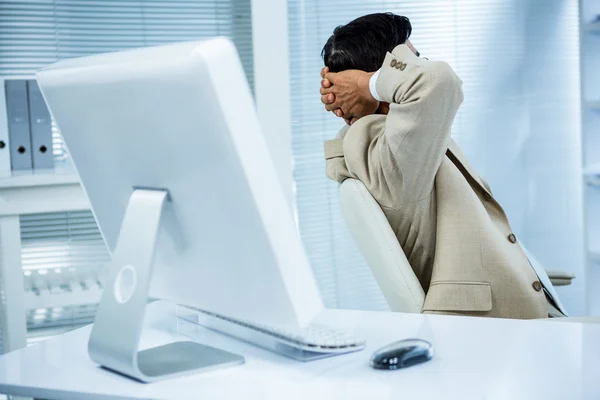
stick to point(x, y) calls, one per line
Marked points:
point(307, 344)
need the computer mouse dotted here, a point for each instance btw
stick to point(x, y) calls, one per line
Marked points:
point(402, 354)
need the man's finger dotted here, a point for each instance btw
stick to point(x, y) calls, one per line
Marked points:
point(327, 98)
point(335, 108)
point(325, 90)
point(331, 77)
point(324, 70)
point(325, 83)
point(331, 106)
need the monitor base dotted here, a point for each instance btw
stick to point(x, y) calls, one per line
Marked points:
point(118, 325)
point(181, 358)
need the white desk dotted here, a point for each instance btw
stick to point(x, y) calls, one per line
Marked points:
point(475, 358)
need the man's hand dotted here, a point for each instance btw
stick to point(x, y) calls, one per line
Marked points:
point(347, 93)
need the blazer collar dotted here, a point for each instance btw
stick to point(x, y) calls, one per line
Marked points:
point(334, 149)
point(457, 156)
point(404, 53)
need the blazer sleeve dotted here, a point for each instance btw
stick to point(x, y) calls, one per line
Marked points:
point(424, 97)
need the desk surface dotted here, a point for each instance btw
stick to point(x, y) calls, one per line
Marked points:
point(475, 358)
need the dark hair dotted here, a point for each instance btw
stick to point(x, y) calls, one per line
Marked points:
point(363, 43)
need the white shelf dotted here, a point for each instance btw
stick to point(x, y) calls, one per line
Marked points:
point(592, 175)
point(27, 180)
point(23, 193)
point(594, 105)
point(595, 256)
point(592, 27)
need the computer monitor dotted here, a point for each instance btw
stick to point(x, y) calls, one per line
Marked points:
point(168, 147)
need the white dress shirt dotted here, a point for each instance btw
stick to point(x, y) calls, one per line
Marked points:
point(372, 85)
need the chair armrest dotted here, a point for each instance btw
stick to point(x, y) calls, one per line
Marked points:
point(560, 278)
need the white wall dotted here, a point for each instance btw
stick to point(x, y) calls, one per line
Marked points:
point(271, 87)
point(526, 138)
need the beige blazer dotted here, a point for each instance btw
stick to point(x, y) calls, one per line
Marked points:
point(455, 235)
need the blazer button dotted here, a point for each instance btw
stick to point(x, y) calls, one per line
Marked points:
point(402, 66)
point(512, 238)
point(537, 286)
point(393, 63)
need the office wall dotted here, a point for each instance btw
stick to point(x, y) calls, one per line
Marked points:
point(553, 222)
point(525, 137)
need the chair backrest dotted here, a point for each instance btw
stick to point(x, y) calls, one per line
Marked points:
point(380, 248)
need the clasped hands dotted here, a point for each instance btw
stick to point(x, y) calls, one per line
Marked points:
point(347, 94)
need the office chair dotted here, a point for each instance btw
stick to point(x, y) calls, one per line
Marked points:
point(379, 246)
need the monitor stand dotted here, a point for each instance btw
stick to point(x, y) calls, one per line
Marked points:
point(118, 325)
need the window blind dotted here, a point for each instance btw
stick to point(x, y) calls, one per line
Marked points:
point(35, 33)
point(61, 240)
point(486, 42)
point(63, 253)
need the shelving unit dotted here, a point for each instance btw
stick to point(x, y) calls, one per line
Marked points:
point(53, 297)
point(43, 293)
point(590, 130)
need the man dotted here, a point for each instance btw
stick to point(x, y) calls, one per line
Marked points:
point(399, 109)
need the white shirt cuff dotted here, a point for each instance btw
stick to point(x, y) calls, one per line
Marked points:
point(373, 85)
